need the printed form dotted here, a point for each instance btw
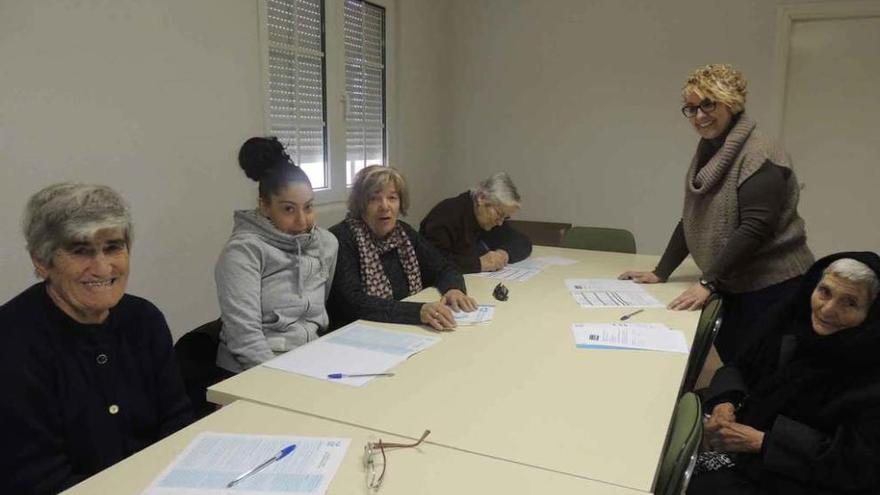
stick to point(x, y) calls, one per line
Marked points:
point(610, 293)
point(643, 336)
point(212, 460)
point(351, 350)
point(483, 314)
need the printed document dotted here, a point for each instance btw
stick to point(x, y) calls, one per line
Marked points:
point(610, 293)
point(645, 336)
point(214, 459)
point(483, 314)
point(512, 273)
point(353, 349)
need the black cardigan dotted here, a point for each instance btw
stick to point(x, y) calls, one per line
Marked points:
point(349, 302)
point(816, 398)
point(452, 227)
point(80, 398)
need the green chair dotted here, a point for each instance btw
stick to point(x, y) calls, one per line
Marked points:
point(704, 337)
point(600, 239)
point(541, 233)
point(682, 442)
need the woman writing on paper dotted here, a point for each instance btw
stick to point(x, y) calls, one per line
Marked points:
point(383, 260)
point(800, 411)
point(89, 374)
point(274, 275)
point(471, 228)
point(740, 220)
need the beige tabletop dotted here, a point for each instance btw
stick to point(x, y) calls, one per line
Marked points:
point(429, 469)
point(517, 389)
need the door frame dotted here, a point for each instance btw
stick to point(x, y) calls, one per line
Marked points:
point(786, 16)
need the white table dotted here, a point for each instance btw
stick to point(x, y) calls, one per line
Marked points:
point(427, 470)
point(517, 389)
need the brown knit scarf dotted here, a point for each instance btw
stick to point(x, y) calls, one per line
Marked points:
point(373, 278)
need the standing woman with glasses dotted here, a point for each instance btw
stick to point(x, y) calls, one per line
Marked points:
point(274, 275)
point(740, 221)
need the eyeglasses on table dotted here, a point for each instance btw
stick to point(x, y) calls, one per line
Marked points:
point(373, 451)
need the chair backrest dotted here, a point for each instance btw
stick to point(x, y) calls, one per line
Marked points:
point(704, 337)
point(541, 233)
point(196, 354)
point(600, 239)
point(680, 454)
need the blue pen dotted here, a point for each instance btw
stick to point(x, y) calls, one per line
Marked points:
point(337, 376)
point(277, 457)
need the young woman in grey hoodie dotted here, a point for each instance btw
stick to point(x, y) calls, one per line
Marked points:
point(275, 273)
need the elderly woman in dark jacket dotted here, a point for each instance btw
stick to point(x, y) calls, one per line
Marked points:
point(383, 260)
point(800, 412)
point(471, 229)
point(88, 370)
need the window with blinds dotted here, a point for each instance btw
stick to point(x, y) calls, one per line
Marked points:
point(364, 86)
point(296, 86)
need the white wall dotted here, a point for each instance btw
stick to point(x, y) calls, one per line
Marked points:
point(579, 101)
point(154, 98)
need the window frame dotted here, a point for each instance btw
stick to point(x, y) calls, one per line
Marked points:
point(334, 91)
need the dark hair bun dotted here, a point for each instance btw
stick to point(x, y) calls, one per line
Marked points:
point(260, 154)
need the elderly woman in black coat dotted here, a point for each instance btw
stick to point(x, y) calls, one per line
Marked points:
point(800, 412)
point(88, 370)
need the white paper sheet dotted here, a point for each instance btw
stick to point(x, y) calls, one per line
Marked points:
point(483, 314)
point(555, 260)
point(353, 349)
point(511, 273)
point(610, 293)
point(212, 460)
point(644, 336)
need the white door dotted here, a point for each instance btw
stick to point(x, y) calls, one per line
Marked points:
point(831, 127)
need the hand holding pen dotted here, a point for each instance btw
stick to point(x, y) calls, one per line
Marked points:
point(277, 457)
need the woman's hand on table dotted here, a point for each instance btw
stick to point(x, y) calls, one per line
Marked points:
point(691, 299)
point(437, 315)
point(641, 277)
point(493, 260)
point(459, 301)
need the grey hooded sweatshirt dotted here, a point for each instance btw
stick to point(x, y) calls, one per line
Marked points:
point(272, 288)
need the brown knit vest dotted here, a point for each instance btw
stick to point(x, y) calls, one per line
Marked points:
point(711, 211)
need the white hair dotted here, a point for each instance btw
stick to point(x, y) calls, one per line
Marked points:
point(498, 189)
point(63, 213)
point(855, 271)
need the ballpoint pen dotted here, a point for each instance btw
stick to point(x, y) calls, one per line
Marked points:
point(336, 376)
point(630, 315)
point(277, 457)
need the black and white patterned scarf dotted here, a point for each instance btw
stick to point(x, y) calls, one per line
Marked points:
point(373, 278)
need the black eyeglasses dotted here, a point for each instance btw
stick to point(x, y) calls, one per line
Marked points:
point(706, 106)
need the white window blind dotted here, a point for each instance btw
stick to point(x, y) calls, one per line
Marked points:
point(296, 87)
point(364, 86)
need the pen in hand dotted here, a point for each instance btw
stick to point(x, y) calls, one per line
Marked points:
point(336, 376)
point(630, 315)
point(277, 457)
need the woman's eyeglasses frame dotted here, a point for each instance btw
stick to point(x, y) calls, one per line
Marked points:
point(706, 105)
point(374, 476)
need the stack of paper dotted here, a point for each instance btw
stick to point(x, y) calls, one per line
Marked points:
point(482, 315)
point(214, 459)
point(353, 349)
point(610, 293)
point(526, 269)
point(645, 336)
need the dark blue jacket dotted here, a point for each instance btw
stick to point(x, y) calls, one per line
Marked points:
point(78, 398)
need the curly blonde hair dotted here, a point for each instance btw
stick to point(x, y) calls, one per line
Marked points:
point(718, 82)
